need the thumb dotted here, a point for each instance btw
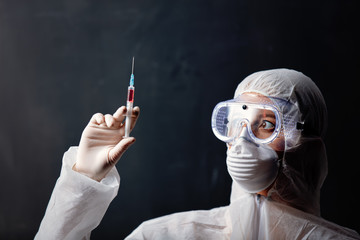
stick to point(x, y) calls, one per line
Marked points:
point(116, 153)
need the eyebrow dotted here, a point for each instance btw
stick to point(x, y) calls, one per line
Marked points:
point(268, 114)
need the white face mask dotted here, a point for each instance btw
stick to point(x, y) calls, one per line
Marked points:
point(254, 167)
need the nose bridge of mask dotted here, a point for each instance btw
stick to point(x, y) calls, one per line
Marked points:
point(242, 130)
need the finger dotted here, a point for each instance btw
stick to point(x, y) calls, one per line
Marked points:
point(116, 153)
point(110, 121)
point(134, 117)
point(119, 115)
point(97, 118)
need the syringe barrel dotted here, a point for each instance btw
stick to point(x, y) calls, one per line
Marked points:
point(129, 107)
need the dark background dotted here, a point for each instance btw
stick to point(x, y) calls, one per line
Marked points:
point(62, 61)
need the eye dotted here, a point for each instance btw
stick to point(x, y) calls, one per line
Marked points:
point(267, 125)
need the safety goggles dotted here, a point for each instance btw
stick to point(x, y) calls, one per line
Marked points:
point(260, 119)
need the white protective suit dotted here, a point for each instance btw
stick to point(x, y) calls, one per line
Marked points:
point(291, 210)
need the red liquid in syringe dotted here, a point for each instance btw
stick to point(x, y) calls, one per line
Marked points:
point(131, 95)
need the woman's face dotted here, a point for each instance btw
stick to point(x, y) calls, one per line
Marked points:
point(264, 122)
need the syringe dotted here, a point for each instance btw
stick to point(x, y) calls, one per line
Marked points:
point(130, 101)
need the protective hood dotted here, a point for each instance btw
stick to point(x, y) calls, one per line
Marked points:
point(303, 165)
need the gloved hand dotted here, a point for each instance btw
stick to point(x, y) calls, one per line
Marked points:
point(102, 143)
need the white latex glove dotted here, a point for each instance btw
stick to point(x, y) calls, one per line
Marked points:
point(102, 143)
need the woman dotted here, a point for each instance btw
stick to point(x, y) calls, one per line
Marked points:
point(274, 129)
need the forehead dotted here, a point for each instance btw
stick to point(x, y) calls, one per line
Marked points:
point(253, 97)
point(253, 105)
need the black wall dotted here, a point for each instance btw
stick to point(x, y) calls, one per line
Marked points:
point(62, 61)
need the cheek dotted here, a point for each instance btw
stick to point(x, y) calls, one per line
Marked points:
point(278, 144)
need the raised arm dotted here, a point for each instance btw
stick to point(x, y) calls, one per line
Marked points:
point(88, 181)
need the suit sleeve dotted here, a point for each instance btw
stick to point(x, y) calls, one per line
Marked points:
point(78, 203)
